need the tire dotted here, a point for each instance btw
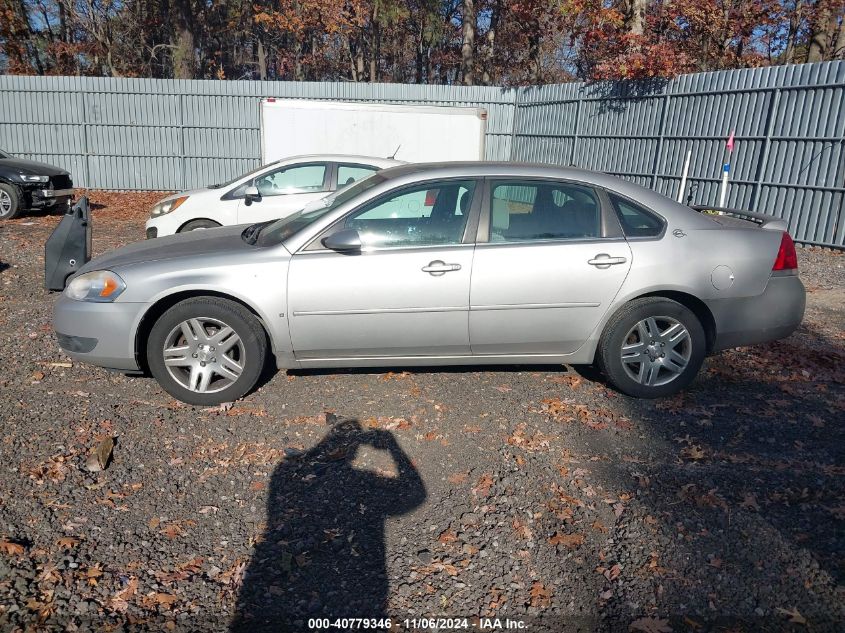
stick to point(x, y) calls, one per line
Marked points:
point(193, 225)
point(197, 372)
point(10, 201)
point(659, 361)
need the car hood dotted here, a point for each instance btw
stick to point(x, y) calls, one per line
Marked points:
point(30, 167)
point(190, 192)
point(210, 242)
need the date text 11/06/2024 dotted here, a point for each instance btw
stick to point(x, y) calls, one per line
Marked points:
point(415, 624)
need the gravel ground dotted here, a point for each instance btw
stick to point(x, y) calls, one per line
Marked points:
point(530, 493)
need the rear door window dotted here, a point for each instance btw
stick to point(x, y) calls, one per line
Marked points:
point(531, 211)
point(347, 174)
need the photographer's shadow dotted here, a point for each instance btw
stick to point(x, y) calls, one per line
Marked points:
point(323, 552)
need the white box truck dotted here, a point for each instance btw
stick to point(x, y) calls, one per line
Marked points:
point(292, 127)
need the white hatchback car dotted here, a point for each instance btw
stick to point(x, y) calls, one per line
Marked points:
point(268, 193)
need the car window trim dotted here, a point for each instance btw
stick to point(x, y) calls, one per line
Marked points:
point(610, 227)
point(648, 210)
point(315, 245)
point(340, 164)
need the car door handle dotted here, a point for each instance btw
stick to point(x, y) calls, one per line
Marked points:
point(439, 267)
point(603, 260)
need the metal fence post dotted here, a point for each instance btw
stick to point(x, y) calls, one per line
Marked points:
point(85, 151)
point(576, 130)
point(515, 107)
point(182, 141)
point(764, 155)
point(659, 153)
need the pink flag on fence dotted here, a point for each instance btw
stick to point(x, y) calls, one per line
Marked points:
point(730, 143)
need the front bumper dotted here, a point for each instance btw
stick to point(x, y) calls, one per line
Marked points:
point(48, 198)
point(162, 225)
point(773, 315)
point(100, 334)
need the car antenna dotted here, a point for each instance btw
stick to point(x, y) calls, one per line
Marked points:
point(392, 156)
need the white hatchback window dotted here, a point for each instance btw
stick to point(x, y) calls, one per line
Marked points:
point(300, 179)
point(347, 174)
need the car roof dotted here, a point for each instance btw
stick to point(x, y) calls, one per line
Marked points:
point(345, 158)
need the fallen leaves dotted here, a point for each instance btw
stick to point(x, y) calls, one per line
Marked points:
point(541, 596)
point(482, 487)
point(567, 540)
point(650, 625)
point(67, 542)
point(793, 614)
point(55, 470)
point(10, 548)
point(119, 601)
point(531, 443)
point(457, 479)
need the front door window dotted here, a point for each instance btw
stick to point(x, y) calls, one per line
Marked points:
point(422, 215)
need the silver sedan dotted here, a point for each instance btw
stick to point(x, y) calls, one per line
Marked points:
point(442, 264)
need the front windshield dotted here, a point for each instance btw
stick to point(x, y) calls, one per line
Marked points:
point(280, 230)
point(220, 185)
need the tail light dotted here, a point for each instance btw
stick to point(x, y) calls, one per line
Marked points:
point(787, 258)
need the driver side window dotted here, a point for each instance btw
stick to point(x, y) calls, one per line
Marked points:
point(299, 179)
point(422, 215)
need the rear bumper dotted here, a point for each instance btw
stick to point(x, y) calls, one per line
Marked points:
point(100, 334)
point(773, 315)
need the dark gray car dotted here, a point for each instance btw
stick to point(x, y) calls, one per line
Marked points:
point(440, 264)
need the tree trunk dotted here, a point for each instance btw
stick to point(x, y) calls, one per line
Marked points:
point(262, 61)
point(374, 34)
point(183, 47)
point(635, 17)
point(488, 74)
point(794, 26)
point(824, 30)
point(839, 47)
point(468, 45)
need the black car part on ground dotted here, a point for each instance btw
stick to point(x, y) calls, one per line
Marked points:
point(69, 246)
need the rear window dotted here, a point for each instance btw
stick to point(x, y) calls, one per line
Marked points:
point(636, 221)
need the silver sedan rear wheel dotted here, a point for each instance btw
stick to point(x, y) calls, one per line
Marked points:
point(656, 351)
point(652, 347)
point(204, 355)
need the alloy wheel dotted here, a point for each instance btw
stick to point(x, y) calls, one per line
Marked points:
point(204, 355)
point(656, 350)
point(5, 202)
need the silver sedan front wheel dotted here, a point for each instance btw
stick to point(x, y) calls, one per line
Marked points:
point(207, 350)
point(656, 351)
point(204, 355)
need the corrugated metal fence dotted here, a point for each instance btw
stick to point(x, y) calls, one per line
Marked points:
point(169, 134)
point(789, 158)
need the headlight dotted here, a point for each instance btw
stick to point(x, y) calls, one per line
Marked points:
point(167, 206)
point(28, 178)
point(100, 286)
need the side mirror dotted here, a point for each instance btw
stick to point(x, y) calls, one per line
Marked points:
point(252, 194)
point(344, 241)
